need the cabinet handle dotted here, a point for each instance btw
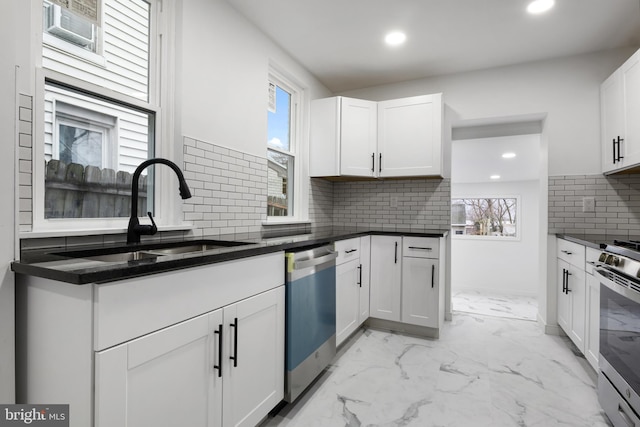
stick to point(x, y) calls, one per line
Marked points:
point(418, 247)
point(433, 275)
point(234, 325)
point(395, 256)
point(380, 163)
point(566, 252)
point(564, 280)
point(219, 367)
point(348, 251)
point(360, 275)
point(616, 143)
point(373, 162)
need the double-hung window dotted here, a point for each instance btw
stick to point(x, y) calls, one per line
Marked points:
point(283, 163)
point(100, 92)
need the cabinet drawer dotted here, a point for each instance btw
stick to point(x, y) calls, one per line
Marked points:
point(347, 250)
point(571, 252)
point(420, 247)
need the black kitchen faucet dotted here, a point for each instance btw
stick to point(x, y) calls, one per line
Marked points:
point(135, 230)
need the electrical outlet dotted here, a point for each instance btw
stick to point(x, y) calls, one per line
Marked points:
point(588, 204)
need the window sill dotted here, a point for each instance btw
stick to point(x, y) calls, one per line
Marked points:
point(285, 222)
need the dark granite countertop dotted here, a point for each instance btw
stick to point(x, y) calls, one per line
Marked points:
point(56, 264)
point(596, 241)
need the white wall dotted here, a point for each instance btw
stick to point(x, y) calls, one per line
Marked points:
point(499, 266)
point(221, 85)
point(567, 89)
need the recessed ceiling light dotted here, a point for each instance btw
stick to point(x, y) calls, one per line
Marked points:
point(395, 38)
point(540, 6)
point(508, 155)
point(495, 177)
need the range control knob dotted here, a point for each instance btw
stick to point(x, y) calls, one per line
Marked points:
point(616, 261)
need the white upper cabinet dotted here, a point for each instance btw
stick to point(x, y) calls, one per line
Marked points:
point(359, 138)
point(410, 136)
point(620, 108)
point(343, 137)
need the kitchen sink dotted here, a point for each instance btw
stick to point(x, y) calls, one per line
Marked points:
point(186, 249)
point(121, 257)
point(150, 252)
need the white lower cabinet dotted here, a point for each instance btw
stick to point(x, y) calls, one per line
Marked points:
point(223, 368)
point(365, 278)
point(386, 275)
point(201, 346)
point(406, 280)
point(254, 380)
point(163, 379)
point(572, 302)
point(420, 291)
point(352, 285)
point(592, 342)
point(347, 299)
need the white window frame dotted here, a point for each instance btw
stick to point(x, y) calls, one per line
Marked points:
point(167, 211)
point(297, 148)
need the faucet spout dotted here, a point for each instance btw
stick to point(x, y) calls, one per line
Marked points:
point(135, 230)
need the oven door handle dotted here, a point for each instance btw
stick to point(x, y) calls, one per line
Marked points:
point(631, 294)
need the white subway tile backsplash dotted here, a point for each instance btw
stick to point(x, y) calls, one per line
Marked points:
point(231, 189)
point(617, 208)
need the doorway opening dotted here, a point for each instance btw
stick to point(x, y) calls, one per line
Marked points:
point(498, 194)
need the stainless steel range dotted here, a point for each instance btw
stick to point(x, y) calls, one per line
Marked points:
point(618, 270)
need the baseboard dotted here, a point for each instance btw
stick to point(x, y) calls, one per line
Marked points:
point(391, 326)
point(550, 329)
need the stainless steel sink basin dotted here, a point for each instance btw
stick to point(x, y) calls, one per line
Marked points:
point(122, 257)
point(185, 249)
point(150, 252)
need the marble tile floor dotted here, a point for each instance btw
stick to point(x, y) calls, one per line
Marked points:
point(483, 371)
point(493, 304)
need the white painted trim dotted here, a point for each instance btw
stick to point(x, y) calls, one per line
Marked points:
point(301, 183)
point(161, 103)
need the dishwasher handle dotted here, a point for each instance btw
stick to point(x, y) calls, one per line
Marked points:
point(311, 262)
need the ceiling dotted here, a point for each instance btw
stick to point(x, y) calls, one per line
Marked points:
point(341, 41)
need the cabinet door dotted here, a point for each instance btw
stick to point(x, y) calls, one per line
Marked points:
point(612, 121)
point(578, 293)
point(592, 342)
point(420, 291)
point(364, 271)
point(386, 259)
point(358, 137)
point(564, 300)
point(572, 302)
point(347, 299)
point(166, 378)
point(253, 371)
point(630, 75)
point(410, 136)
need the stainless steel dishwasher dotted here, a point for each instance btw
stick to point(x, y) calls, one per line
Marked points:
point(310, 322)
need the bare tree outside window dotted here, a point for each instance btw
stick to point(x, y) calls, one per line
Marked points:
point(485, 216)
